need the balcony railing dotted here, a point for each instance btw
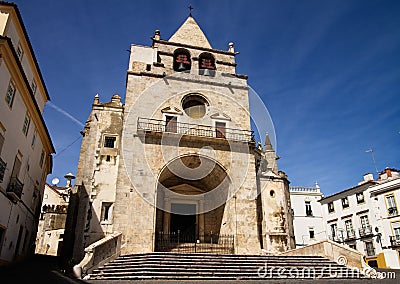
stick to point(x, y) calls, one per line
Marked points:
point(3, 166)
point(14, 189)
point(365, 231)
point(392, 211)
point(155, 125)
point(350, 234)
point(395, 241)
point(336, 238)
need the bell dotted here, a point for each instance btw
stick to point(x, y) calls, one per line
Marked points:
point(181, 67)
point(206, 72)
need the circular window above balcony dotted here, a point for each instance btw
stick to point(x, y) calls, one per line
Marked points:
point(194, 105)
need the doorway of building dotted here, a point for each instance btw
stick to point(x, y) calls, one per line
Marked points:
point(183, 219)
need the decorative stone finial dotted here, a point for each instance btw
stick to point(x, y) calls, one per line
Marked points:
point(231, 47)
point(267, 145)
point(157, 35)
point(116, 99)
point(96, 99)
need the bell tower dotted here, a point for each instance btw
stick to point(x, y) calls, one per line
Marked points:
point(185, 161)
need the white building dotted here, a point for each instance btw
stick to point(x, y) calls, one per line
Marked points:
point(387, 195)
point(25, 144)
point(355, 217)
point(53, 217)
point(308, 221)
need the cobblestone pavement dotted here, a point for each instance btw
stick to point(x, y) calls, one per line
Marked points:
point(43, 270)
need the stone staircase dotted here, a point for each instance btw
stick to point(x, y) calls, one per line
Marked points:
point(201, 266)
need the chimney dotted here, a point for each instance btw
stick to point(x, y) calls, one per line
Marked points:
point(231, 47)
point(388, 173)
point(368, 177)
point(96, 99)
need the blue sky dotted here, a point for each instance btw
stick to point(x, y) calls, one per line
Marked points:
point(328, 72)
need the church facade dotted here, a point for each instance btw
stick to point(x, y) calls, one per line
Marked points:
point(177, 162)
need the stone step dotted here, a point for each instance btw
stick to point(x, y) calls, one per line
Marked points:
point(174, 266)
point(217, 263)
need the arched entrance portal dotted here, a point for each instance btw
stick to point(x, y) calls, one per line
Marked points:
point(192, 195)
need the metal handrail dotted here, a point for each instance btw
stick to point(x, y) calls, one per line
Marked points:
point(156, 125)
point(15, 186)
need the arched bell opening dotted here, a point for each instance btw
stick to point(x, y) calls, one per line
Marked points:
point(182, 60)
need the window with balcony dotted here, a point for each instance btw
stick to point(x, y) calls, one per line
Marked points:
point(333, 231)
point(395, 239)
point(391, 205)
point(33, 87)
point(360, 197)
point(41, 159)
point(345, 202)
point(220, 129)
point(25, 127)
point(366, 228)
point(3, 164)
point(369, 248)
point(308, 209)
point(15, 186)
point(171, 124)
point(10, 94)
point(331, 207)
point(349, 229)
point(20, 52)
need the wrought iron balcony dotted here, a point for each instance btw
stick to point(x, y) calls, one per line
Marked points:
point(395, 241)
point(336, 238)
point(365, 231)
point(350, 235)
point(392, 211)
point(3, 166)
point(14, 189)
point(155, 125)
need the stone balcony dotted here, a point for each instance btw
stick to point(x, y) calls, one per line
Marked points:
point(14, 189)
point(150, 125)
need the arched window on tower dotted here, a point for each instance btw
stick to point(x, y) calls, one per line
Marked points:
point(207, 64)
point(182, 60)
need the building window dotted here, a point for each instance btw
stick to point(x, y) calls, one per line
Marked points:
point(369, 248)
point(334, 230)
point(349, 229)
point(106, 211)
point(360, 197)
point(364, 221)
point(331, 207)
point(1, 142)
point(220, 129)
point(308, 208)
point(2, 235)
point(345, 202)
point(10, 94)
point(33, 140)
point(391, 205)
point(206, 64)
point(171, 123)
point(311, 232)
point(396, 231)
point(33, 87)
point(109, 141)
point(25, 127)
point(41, 159)
point(182, 61)
point(194, 106)
point(20, 52)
